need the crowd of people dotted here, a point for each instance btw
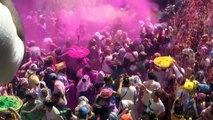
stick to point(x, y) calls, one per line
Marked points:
point(117, 79)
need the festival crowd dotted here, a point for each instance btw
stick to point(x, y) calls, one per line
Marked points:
point(115, 78)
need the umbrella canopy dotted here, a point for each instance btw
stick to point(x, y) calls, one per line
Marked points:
point(163, 61)
point(78, 52)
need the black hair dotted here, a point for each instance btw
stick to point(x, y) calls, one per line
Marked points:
point(49, 103)
point(107, 78)
point(30, 96)
point(57, 94)
point(48, 62)
point(151, 115)
point(126, 80)
point(152, 76)
point(132, 47)
point(58, 51)
point(157, 93)
point(142, 56)
point(87, 68)
point(178, 107)
point(53, 76)
point(41, 85)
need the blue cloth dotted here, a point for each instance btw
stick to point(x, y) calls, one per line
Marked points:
point(83, 112)
point(204, 88)
point(211, 54)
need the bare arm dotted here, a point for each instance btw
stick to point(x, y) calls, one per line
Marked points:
point(120, 85)
point(18, 117)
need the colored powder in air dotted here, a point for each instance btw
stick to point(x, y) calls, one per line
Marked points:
point(64, 20)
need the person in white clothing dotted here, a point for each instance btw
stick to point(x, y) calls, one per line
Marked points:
point(151, 84)
point(51, 112)
point(129, 93)
point(154, 104)
point(106, 61)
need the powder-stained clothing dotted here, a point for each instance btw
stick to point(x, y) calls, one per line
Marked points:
point(54, 114)
point(35, 115)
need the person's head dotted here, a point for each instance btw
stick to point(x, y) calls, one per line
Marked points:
point(101, 76)
point(132, 47)
point(23, 84)
point(126, 104)
point(108, 42)
point(178, 107)
point(108, 80)
point(83, 112)
point(33, 81)
point(200, 76)
point(48, 104)
point(121, 52)
point(150, 116)
point(92, 42)
point(48, 61)
point(126, 81)
point(155, 95)
point(53, 77)
point(58, 51)
point(83, 100)
point(198, 56)
point(31, 97)
point(106, 93)
point(107, 51)
point(200, 97)
point(87, 69)
point(31, 43)
point(44, 92)
point(189, 72)
point(152, 76)
point(205, 37)
point(48, 70)
point(157, 54)
point(142, 56)
point(33, 67)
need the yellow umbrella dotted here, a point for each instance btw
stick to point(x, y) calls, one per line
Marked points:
point(163, 61)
